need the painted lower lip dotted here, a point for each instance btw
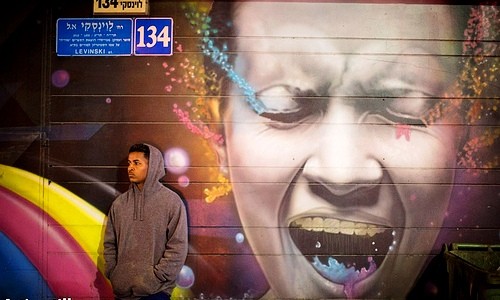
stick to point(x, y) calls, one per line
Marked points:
point(336, 271)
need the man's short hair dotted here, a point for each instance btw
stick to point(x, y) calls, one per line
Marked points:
point(140, 148)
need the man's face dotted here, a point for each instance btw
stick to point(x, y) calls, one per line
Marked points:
point(341, 185)
point(137, 168)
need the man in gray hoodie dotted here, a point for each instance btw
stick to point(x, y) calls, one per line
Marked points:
point(146, 237)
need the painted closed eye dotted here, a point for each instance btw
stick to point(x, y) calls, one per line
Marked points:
point(287, 106)
point(405, 106)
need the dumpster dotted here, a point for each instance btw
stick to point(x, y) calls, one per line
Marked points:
point(473, 271)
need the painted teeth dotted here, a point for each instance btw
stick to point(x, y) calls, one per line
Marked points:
point(337, 226)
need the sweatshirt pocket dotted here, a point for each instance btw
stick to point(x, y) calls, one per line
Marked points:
point(130, 279)
point(120, 278)
point(148, 283)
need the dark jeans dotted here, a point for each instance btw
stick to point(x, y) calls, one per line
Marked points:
point(157, 296)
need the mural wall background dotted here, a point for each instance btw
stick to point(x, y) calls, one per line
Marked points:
point(322, 150)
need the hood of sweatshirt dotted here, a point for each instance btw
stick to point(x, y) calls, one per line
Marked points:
point(156, 171)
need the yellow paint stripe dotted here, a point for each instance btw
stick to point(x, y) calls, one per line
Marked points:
point(83, 221)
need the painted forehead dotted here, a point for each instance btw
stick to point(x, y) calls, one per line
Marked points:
point(297, 33)
point(345, 20)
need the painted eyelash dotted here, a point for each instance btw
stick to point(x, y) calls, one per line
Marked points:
point(401, 118)
point(304, 112)
point(295, 116)
point(288, 117)
point(292, 116)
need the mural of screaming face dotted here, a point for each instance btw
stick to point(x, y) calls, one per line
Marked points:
point(340, 179)
point(338, 127)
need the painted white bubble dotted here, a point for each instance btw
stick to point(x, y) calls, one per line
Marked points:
point(239, 237)
point(176, 160)
point(185, 278)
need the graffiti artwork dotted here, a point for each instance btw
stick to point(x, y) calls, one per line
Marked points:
point(323, 150)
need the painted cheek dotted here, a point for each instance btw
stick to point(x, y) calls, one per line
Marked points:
point(428, 200)
point(268, 159)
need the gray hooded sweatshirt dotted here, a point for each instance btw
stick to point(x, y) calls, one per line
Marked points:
point(146, 237)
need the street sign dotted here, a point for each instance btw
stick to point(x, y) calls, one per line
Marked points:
point(94, 37)
point(153, 36)
point(114, 36)
point(120, 7)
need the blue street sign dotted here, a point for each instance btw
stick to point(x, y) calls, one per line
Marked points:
point(94, 37)
point(153, 36)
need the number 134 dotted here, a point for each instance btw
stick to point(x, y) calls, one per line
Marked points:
point(153, 36)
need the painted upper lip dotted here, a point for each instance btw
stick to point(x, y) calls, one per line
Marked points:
point(359, 206)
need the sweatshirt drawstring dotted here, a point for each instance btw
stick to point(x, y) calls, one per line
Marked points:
point(138, 206)
point(135, 208)
point(141, 207)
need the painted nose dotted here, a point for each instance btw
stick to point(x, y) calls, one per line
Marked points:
point(344, 158)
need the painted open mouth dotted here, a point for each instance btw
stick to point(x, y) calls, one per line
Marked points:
point(344, 252)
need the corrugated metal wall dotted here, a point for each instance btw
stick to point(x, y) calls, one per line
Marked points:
point(322, 150)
